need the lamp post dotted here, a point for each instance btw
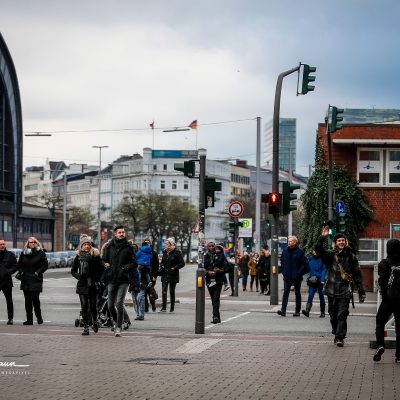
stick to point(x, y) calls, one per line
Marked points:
point(98, 197)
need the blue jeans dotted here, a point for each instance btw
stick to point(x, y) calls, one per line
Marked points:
point(311, 293)
point(139, 302)
point(116, 297)
point(286, 291)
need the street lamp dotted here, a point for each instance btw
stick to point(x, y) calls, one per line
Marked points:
point(98, 198)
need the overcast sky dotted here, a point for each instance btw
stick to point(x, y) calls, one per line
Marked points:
point(112, 65)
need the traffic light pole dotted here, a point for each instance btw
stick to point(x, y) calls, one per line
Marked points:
point(235, 268)
point(200, 272)
point(274, 300)
point(330, 174)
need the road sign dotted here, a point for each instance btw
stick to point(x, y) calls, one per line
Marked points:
point(340, 207)
point(246, 230)
point(235, 209)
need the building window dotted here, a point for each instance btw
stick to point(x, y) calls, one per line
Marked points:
point(31, 187)
point(154, 167)
point(368, 251)
point(162, 186)
point(186, 185)
point(174, 185)
point(164, 167)
point(393, 166)
point(370, 166)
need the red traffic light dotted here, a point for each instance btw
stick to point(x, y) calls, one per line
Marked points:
point(274, 198)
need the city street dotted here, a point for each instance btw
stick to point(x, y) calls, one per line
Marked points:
point(252, 354)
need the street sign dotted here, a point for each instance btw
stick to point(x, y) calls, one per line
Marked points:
point(235, 209)
point(246, 230)
point(340, 207)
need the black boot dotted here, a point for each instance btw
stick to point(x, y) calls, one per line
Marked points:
point(306, 312)
point(85, 331)
point(322, 315)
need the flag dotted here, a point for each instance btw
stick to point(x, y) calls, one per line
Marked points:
point(152, 125)
point(193, 124)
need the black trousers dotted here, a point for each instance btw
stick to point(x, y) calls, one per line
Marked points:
point(215, 294)
point(386, 309)
point(7, 291)
point(32, 302)
point(338, 309)
point(172, 286)
point(88, 307)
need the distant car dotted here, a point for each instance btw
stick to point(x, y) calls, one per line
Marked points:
point(53, 260)
point(71, 256)
point(63, 256)
point(17, 252)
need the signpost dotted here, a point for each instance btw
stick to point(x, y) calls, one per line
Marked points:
point(235, 209)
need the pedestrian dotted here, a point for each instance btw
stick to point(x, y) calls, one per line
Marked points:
point(87, 268)
point(389, 281)
point(293, 267)
point(231, 272)
point(215, 266)
point(171, 262)
point(32, 263)
point(244, 269)
point(143, 258)
point(342, 274)
point(263, 271)
point(316, 281)
point(151, 293)
point(253, 272)
point(8, 265)
point(119, 257)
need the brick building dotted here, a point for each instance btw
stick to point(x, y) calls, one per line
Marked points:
point(371, 154)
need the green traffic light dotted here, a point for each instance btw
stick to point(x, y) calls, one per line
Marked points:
point(307, 78)
point(336, 118)
point(287, 196)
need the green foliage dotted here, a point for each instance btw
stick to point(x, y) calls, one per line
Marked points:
point(80, 220)
point(315, 206)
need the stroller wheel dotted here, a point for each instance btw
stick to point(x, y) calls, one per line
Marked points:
point(77, 323)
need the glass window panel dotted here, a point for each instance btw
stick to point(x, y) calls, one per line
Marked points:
point(369, 178)
point(369, 155)
point(394, 178)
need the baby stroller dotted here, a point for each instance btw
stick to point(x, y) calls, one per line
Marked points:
point(103, 315)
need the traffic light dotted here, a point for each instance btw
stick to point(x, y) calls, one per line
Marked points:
point(307, 78)
point(331, 227)
point(288, 196)
point(233, 226)
point(274, 201)
point(210, 187)
point(188, 168)
point(336, 118)
point(341, 223)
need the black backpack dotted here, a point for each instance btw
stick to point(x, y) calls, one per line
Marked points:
point(393, 290)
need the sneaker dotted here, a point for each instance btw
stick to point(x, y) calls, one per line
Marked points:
point(27, 323)
point(339, 343)
point(163, 310)
point(378, 354)
point(85, 331)
point(227, 287)
point(40, 320)
point(118, 332)
point(95, 327)
point(139, 318)
point(282, 313)
point(296, 314)
point(397, 360)
point(126, 325)
point(10, 322)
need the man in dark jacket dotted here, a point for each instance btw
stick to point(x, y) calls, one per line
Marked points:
point(171, 262)
point(342, 273)
point(119, 257)
point(215, 265)
point(293, 267)
point(8, 265)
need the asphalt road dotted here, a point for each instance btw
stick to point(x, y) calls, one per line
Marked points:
point(249, 313)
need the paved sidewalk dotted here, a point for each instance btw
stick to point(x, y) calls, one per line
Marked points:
point(58, 363)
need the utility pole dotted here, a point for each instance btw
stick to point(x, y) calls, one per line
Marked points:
point(99, 197)
point(258, 189)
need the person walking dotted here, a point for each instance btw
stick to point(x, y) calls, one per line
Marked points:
point(119, 257)
point(293, 266)
point(263, 271)
point(244, 269)
point(171, 262)
point(342, 273)
point(87, 268)
point(151, 293)
point(316, 281)
point(32, 263)
point(253, 272)
point(388, 281)
point(215, 265)
point(8, 265)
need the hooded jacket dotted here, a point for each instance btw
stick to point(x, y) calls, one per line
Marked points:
point(31, 265)
point(216, 260)
point(8, 265)
point(384, 267)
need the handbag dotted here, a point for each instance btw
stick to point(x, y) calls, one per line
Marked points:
point(313, 281)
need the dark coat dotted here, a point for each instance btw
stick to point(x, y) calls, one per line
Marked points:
point(171, 263)
point(8, 265)
point(293, 264)
point(385, 267)
point(244, 265)
point(87, 277)
point(264, 267)
point(214, 260)
point(335, 285)
point(121, 256)
point(31, 268)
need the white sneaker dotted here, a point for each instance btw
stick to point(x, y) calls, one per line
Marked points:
point(117, 332)
point(226, 288)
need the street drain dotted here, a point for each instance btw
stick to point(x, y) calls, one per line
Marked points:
point(159, 361)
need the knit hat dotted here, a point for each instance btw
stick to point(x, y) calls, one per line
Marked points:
point(171, 241)
point(339, 236)
point(84, 239)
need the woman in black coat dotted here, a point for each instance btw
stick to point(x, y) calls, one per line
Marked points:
point(263, 270)
point(32, 263)
point(87, 268)
point(172, 261)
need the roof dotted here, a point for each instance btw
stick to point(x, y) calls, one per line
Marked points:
point(33, 211)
